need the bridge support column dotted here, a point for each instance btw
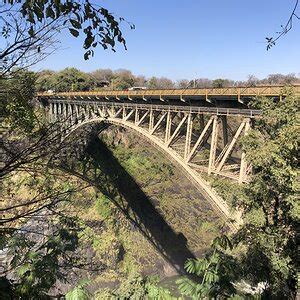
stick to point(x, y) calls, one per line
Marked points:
point(175, 133)
point(213, 145)
point(230, 147)
point(59, 110)
point(124, 113)
point(136, 116)
point(243, 167)
point(71, 113)
point(201, 139)
point(151, 120)
point(224, 130)
point(64, 110)
point(54, 116)
point(81, 113)
point(201, 121)
point(168, 127)
point(188, 139)
point(50, 113)
point(158, 123)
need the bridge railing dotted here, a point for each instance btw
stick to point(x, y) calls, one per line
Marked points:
point(171, 108)
point(270, 91)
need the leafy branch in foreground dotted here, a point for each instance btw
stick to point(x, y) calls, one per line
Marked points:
point(271, 41)
point(215, 273)
point(29, 29)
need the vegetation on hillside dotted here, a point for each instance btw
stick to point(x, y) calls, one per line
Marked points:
point(72, 79)
point(263, 253)
point(104, 238)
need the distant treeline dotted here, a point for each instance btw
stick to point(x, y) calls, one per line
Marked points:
point(72, 79)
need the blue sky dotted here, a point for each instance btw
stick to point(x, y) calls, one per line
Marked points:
point(193, 38)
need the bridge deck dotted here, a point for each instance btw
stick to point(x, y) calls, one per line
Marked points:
point(230, 93)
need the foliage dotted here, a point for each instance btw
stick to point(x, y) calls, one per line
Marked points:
point(79, 292)
point(215, 272)
point(220, 83)
point(37, 262)
point(160, 83)
point(71, 79)
point(35, 250)
point(29, 29)
point(16, 101)
point(135, 288)
point(103, 207)
point(265, 251)
point(272, 148)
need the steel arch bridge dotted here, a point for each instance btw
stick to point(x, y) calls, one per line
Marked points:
point(200, 134)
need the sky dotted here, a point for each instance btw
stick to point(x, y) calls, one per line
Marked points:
point(192, 39)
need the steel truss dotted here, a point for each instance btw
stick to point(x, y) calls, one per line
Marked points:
point(202, 140)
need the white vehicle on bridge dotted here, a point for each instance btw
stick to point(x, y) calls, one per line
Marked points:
point(137, 88)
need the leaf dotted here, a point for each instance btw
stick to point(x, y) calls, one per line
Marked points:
point(75, 24)
point(49, 12)
point(74, 32)
point(31, 31)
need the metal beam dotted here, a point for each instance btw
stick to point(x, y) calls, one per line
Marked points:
point(188, 139)
point(136, 117)
point(200, 139)
point(176, 131)
point(151, 119)
point(168, 127)
point(230, 147)
point(50, 116)
point(76, 111)
point(224, 130)
point(237, 93)
point(243, 168)
point(213, 144)
point(142, 118)
point(158, 123)
point(118, 112)
point(129, 115)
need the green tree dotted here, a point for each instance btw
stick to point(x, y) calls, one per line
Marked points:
point(72, 79)
point(270, 207)
point(123, 79)
point(136, 287)
point(45, 80)
point(216, 273)
point(160, 83)
point(265, 248)
point(16, 101)
point(221, 83)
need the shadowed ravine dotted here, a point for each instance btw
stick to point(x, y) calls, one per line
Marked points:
point(101, 167)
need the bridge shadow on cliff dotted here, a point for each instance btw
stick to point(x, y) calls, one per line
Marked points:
point(101, 169)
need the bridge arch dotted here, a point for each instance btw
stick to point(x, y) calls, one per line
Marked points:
point(204, 188)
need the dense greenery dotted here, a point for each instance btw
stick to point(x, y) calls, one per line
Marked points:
point(217, 272)
point(265, 247)
point(71, 79)
point(136, 287)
